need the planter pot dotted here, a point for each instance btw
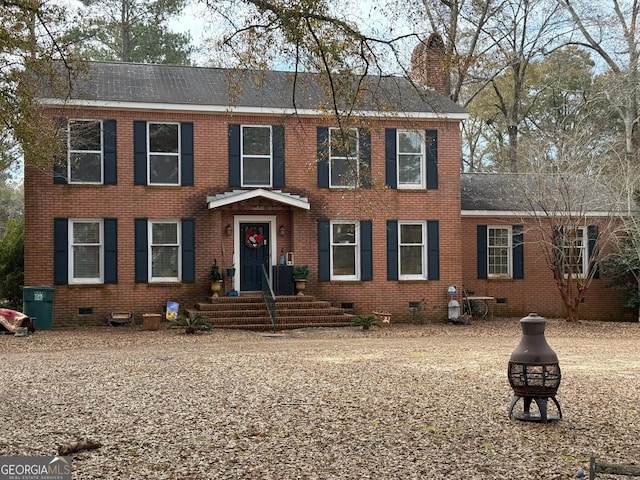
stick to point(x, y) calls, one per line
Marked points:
point(300, 286)
point(216, 287)
point(151, 321)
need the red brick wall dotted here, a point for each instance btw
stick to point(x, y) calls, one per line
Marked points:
point(45, 201)
point(537, 292)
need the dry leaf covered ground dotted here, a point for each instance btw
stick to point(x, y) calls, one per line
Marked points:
point(407, 402)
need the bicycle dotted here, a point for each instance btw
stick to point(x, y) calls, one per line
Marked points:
point(473, 306)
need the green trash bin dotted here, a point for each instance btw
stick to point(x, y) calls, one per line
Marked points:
point(37, 302)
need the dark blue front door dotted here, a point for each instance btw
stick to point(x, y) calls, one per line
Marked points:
point(254, 253)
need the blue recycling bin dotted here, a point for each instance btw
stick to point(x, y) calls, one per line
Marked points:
point(37, 302)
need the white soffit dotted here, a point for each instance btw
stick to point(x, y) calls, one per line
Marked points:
point(236, 196)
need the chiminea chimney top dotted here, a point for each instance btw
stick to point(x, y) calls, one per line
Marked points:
point(428, 64)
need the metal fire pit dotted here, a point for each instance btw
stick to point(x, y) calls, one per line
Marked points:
point(534, 372)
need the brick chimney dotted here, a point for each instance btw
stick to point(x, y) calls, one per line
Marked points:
point(428, 64)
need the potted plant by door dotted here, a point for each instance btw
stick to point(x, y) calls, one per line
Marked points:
point(300, 275)
point(215, 277)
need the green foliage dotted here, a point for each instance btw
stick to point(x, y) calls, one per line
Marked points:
point(215, 275)
point(131, 31)
point(192, 322)
point(12, 264)
point(300, 272)
point(364, 321)
point(622, 269)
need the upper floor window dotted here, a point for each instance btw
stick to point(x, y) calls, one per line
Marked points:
point(499, 251)
point(164, 153)
point(85, 251)
point(345, 251)
point(257, 155)
point(344, 165)
point(412, 250)
point(411, 159)
point(84, 152)
point(164, 251)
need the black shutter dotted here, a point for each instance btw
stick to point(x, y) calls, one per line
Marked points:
point(323, 157)
point(234, 155)
point(60, 251)
point(141, 251)
point(110, 250)
point(433, 250)
point(186, 154)
point(364, 141)
point(60, 160)
point(592, 234)
point(390, 158)
point(324, 251)
point(392, 250)
point(110, 157)
point(366, 250)
point(139, 152)
point(481, 240)
point(432, 159)
point(188, 251)
point(518, 252)
point(278, 156)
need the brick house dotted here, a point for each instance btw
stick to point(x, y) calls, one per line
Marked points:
point(169, 169)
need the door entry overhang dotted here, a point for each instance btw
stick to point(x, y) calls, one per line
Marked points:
point(235, 196)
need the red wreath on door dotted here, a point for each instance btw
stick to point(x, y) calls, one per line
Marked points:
point(253, 237)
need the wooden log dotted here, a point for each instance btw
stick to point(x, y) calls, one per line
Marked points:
point(612, 469)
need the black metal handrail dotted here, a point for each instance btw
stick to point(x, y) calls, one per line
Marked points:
point(269, 297)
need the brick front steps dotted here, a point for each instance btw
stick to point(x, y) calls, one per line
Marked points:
point(248, 312)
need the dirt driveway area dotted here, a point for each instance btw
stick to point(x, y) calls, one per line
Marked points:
point(406, 402)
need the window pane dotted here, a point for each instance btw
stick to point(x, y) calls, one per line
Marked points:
point(85, 135)
point(85, 167)
point(256, 171)
point(86, 262)
point(411, 234)
point(410, 169)
point(411, 260)
point(164, 262)
point(256, 141)
point(344, 233)
point(498, 251)
point(164, 233)
point(344, 143)
point(344, 260)
point(163, 169)
point(344, 173)
point(86, 232)
point(410, 142)
point(163, 137)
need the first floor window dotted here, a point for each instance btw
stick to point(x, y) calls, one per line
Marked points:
point(344, 251)
point(86, 252)
point(574, 246)
point(164, 251)
point(499, 251)
point(412, 241)
point(164, 153)
point(85, 151)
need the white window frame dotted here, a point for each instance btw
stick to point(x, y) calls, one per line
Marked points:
point(583, 246)
point(423, 160)
point(332, 158)
point(423, 245)
point(356, 249)
point(178, 244)
point(177, 154)
point(247, 155)
point(491, 248)
point(71, 256)
point(71, 151)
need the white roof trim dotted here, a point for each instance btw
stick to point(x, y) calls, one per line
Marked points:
point(236, 196)
point(183, 107)
point(508, 213)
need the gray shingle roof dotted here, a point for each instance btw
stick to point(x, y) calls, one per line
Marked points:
point(179, 85)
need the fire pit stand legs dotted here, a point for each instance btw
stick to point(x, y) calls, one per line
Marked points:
point(526, 414)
